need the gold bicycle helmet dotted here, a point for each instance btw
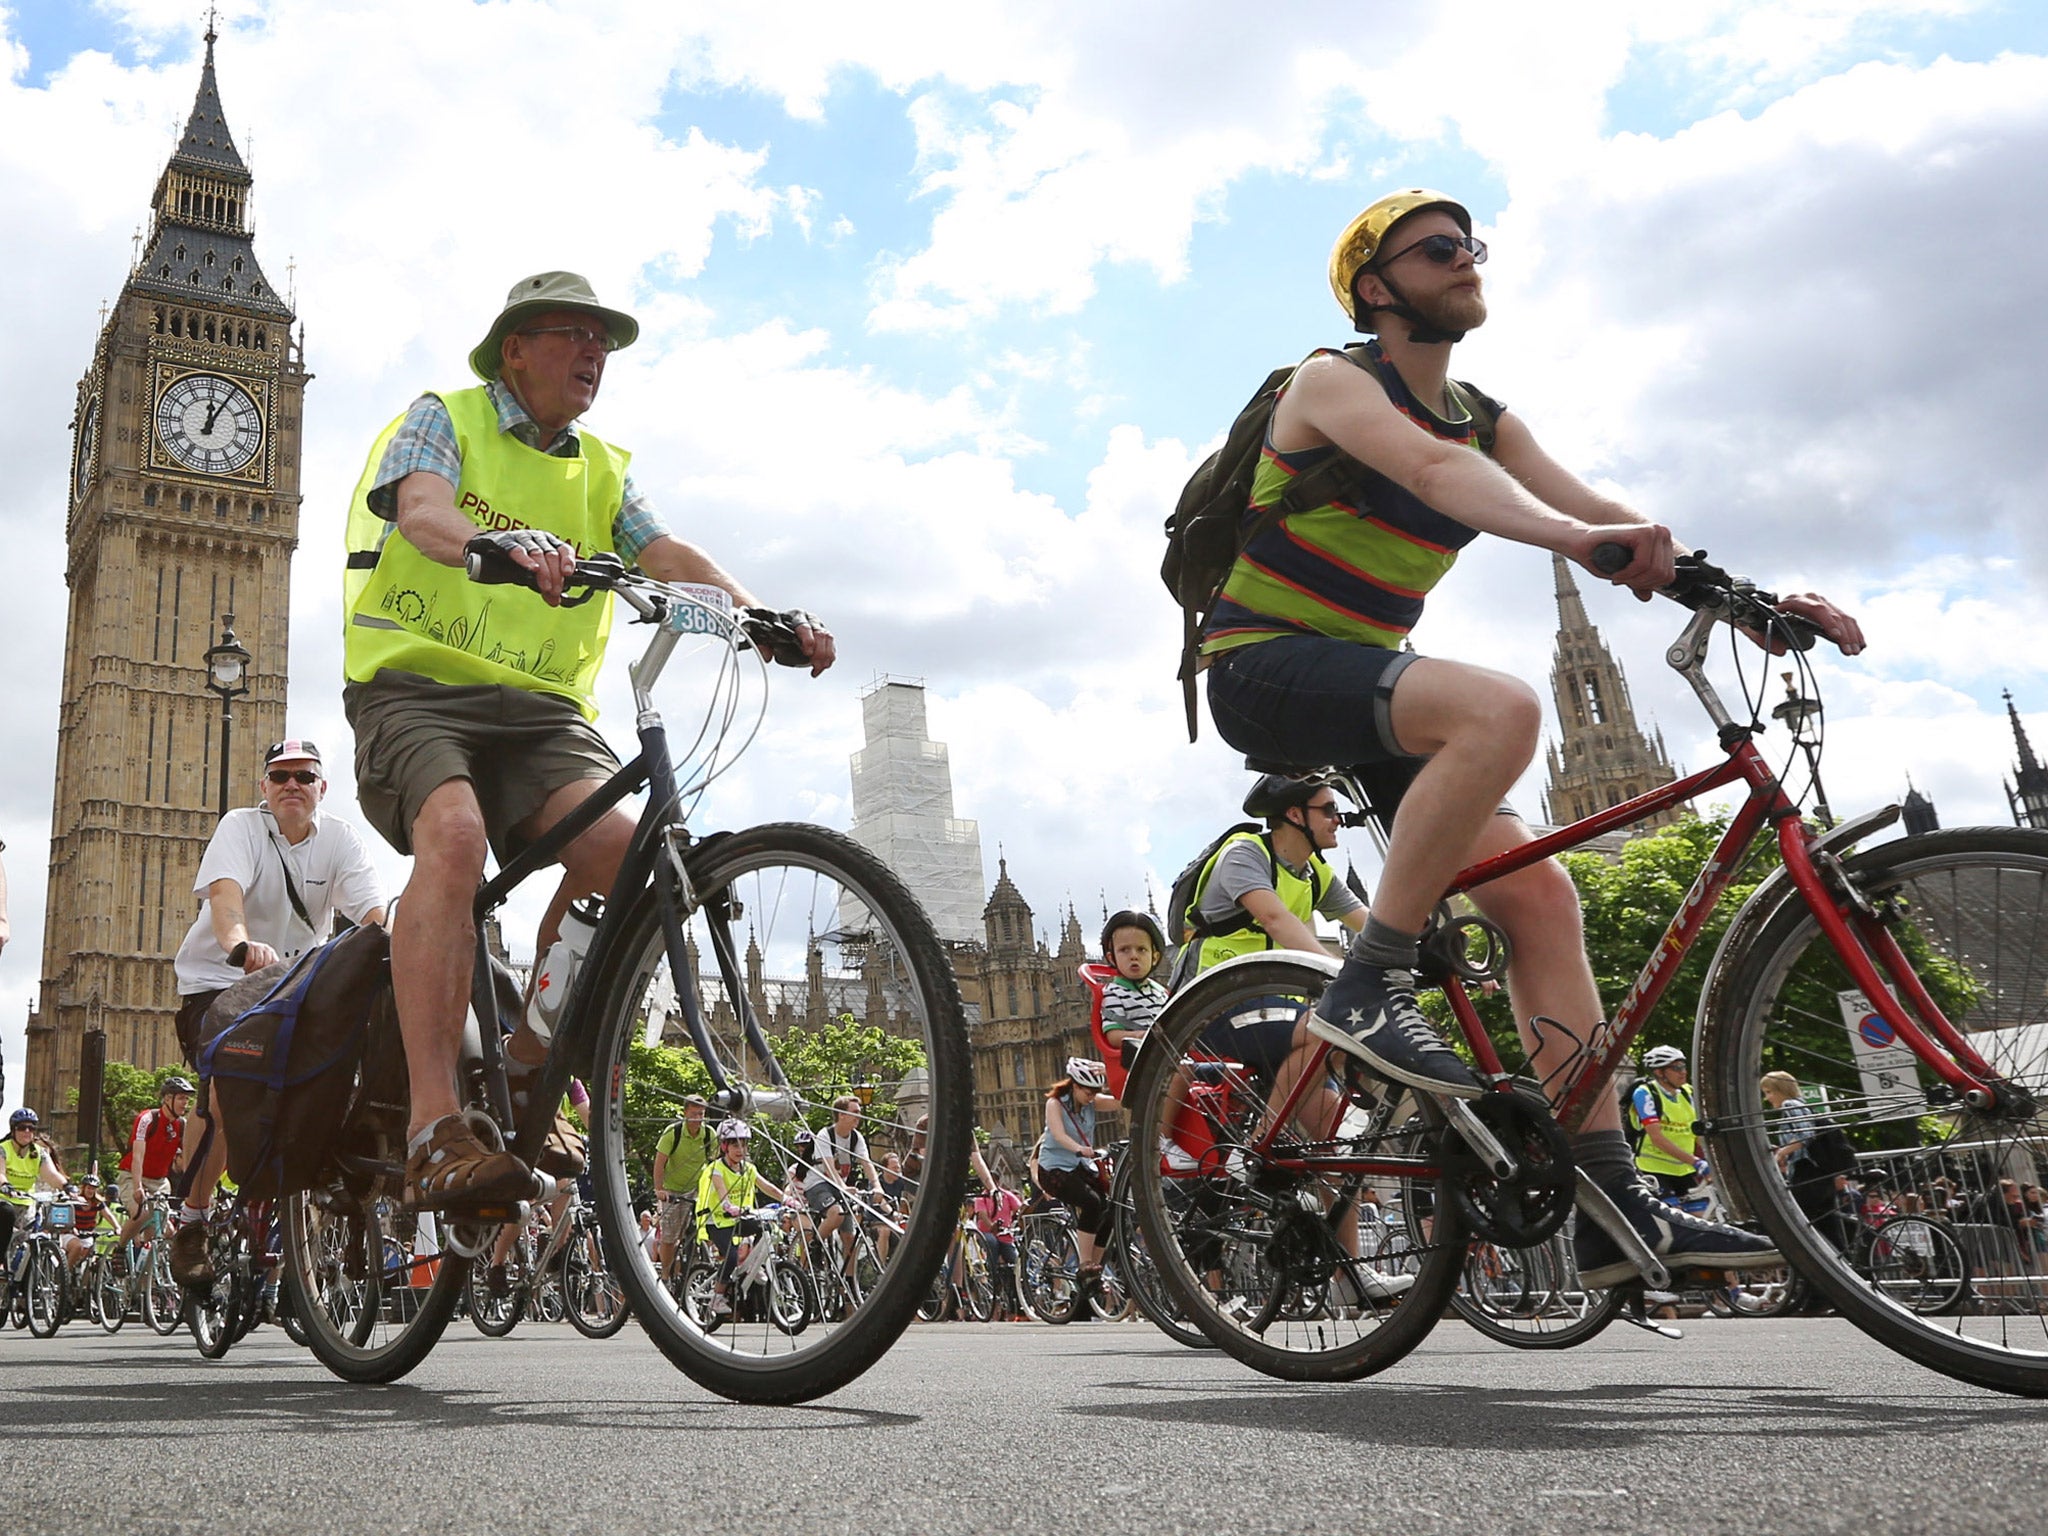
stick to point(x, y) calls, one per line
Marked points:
point(1360, 242)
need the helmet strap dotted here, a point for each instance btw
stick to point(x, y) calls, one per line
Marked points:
point(1422, 332)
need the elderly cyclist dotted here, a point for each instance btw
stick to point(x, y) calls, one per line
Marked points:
point(472, 705)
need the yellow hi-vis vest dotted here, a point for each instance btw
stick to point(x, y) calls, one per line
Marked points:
point(1297, 894)
point(23, 1168)
point(411, 614)
point(1676, 1118)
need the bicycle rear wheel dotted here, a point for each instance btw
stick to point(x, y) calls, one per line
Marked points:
point(366, 1321)
point(1048, 1269)
point(807, 935)
point(1260, 1267)
point(1969, 910)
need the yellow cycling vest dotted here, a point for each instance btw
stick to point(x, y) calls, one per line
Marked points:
point(22, 1171)
point(688, 1157)
point(411, 614)
point(1676, 1118)
point(1296, 893)
point(739, 1190)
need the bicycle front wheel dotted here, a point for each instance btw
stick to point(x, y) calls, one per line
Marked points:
point(1968, 909)
point(1262, 1258)
point(1141, 1275)
point(110, 1283)
point(163, 1304)
point(799, 938)
point(45, 1283)
point(595, 1304)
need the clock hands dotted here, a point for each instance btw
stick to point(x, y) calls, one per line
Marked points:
point(212, 411)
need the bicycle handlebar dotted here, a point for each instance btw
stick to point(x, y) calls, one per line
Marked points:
point(1703, 587)
point(771, 633)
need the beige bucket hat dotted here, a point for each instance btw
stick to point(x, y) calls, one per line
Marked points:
point(537, 295)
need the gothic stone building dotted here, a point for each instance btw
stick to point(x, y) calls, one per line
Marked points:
point(184, 506)
point(1602, 756)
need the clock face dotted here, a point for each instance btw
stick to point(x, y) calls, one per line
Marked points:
point(209, 424)
point(88, 445)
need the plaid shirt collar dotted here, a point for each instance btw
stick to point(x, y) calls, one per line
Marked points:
point(512, 418)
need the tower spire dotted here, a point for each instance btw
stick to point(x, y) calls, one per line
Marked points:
point(1571, 611)
point(2028, 762)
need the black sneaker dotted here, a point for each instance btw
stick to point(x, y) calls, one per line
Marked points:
point(1679, 1240)
point(1373, 1014)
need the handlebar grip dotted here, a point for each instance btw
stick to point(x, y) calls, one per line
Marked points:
point(1611, 557)
point(490, 566)
point(1797, 632)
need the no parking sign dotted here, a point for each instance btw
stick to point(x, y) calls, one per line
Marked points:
point(1890, 1070)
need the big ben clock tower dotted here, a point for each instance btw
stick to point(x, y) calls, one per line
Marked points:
point(184, 498)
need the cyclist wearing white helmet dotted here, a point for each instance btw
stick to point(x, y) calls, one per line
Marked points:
point(1662, 1108)
point(1069, 1162)
point(1307, 664)
point(725, 1193)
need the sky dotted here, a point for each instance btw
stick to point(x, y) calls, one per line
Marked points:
point(942, 302)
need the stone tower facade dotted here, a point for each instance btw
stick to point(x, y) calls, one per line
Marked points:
point(184, 506)
point(903, 809)
point(1602, 756)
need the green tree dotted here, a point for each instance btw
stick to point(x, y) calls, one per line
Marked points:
point(838, 1057)
point(1626, 906)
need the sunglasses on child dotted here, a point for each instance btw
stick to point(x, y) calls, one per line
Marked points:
point(1442, 249)
point(288, 775)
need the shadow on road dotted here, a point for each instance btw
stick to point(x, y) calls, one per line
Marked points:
point(235, 1401)
point(1616, 1417)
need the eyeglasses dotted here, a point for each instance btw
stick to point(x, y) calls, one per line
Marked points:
point(287, 775)
point(1328, 808)
point(1441, 249)
point(579, 335)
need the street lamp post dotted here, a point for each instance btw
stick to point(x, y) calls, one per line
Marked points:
point(227, 674)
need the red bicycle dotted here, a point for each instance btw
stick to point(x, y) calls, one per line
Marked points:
point(1904, 984)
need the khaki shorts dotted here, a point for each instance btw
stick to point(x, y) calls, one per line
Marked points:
point(677, 1216)
point(132, 1198)
point(514, 747)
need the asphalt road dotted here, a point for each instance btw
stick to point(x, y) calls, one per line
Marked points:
point(1781, 1426)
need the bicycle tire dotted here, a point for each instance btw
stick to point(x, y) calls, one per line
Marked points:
point(288, 1316)
point(977, 1281)
point(1270, 1319)
point(110, 1288)
point(497, 1315)
point(163, 1303)
point(1109, 1300)
point(1920, 1265)
point(1550, 1308)
point(1148, 1292)
point(360, 1324)
point(595, 1304)
point(1969, 907)
point(792, 1300)
point(44, 1289)
point(793, 883)
point(212, 1314)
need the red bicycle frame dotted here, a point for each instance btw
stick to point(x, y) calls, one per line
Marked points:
point(1861, 941)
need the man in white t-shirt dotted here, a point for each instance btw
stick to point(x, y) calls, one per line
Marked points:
point(840, 1151)
point(270, 883)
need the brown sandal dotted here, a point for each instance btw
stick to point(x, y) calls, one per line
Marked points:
point(455, 1167)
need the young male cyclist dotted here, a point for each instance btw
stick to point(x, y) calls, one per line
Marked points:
point(1305, 666)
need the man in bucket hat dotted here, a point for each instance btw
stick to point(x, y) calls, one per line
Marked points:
point(472, 705)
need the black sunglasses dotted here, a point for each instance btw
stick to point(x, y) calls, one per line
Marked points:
point(286, 775)
point(1441, 249)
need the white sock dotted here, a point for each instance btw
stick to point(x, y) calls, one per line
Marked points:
point(188, 1214)
point(424, 1135)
